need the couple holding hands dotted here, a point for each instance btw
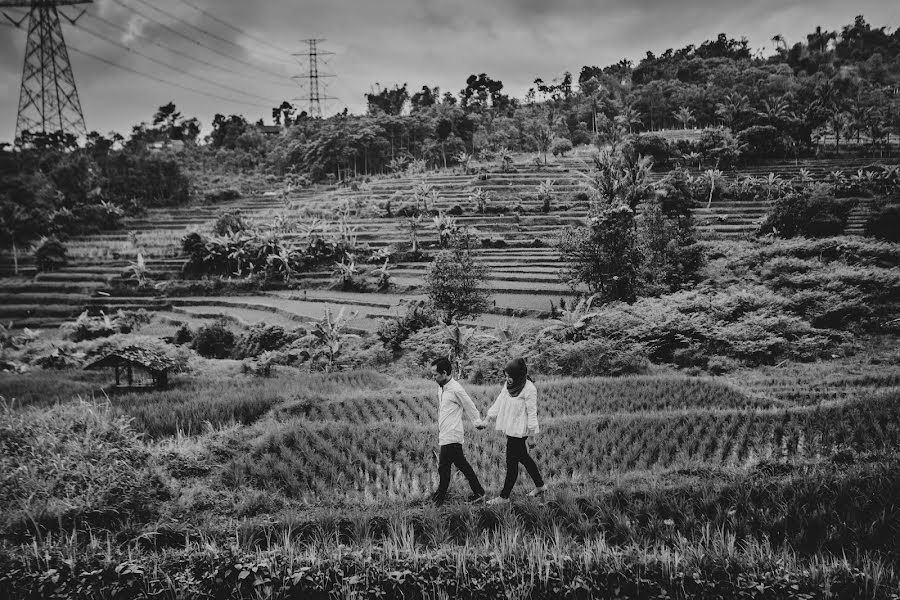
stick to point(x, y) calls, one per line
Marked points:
point(515, 410)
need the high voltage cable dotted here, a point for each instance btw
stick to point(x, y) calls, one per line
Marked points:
point(212, 35)
point(194, 41)
point(237, 29)
point(163, 81)
point(168, 66)
point(175, 51)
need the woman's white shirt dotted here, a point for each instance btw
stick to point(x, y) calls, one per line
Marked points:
point(516, 415)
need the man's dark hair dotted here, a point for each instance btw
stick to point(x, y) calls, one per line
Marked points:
point(443, 365)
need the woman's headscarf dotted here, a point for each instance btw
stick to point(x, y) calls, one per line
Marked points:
point(518, 371)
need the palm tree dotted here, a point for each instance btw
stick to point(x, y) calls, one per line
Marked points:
point(685, 116)
point(732, 107)
point(629, 116)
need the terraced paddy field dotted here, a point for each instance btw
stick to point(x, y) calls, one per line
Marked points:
point(318, 484)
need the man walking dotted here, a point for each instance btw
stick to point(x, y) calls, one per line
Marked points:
point(453, 402)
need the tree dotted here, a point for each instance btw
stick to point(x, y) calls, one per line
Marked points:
point(604, 256)
point(456, 285)
point(388, 101)
point(685, 116)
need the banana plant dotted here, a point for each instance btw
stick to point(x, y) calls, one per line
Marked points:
point(459, 339)
point(446, 227)
point(572, 321)
point(328, 335)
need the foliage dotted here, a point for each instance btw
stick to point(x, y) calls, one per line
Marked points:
point(230, 222)
point(260, 338)
point(813, 214)
point(74, 466)
point(50, 254)
point(394, 331)
point(884, 223)
point(605, 255)
point(455, 283)
point(215, 340)
point(87, 327)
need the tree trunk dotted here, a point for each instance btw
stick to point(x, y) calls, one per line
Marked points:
point(15, 258)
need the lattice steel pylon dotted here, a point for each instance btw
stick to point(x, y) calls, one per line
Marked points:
point(315, 96)
point(48, 98)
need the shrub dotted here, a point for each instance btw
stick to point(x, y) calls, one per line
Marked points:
point(605, 255)
point(146, 180)
point(221, 196)
point(816, 214)
point(86, 327)
point(73, 466)
point(261, 338)
point(456, 210)
point(884, 222)
point(652, 145)
point(50, 255)
point(215, 340)
point(456, 285)
point(763, 141)
point(183, 335)
point(393, 332)
point(560, 147)
point(596, 356)
point(230, 222)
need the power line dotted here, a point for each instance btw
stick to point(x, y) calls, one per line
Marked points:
point(168, 66)
point(229, 25)
point(164, 81)
point(175, 51)
point(212, 35)
point(193, 40)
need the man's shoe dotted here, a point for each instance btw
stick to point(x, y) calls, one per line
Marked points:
point(538, 491)
point(498, 500)
point(475, 498)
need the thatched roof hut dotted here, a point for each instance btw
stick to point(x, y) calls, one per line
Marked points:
point(141, 367)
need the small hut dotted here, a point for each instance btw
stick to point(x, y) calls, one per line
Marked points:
point(136, 367)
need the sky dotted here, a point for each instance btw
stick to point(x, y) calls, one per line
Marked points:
point(129, 57)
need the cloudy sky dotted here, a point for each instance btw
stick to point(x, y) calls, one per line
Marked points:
point(235, 56)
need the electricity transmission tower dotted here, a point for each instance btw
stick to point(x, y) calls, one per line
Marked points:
point(48, 98)
point(315, 95)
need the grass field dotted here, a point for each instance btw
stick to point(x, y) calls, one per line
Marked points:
point(232, 486)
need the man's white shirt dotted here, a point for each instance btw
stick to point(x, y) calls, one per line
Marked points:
point(454, 402)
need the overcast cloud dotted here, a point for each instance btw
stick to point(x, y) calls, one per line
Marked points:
point(386, 42)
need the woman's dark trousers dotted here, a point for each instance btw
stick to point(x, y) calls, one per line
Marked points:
point(516, 453)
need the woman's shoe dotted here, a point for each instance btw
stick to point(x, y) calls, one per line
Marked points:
point(538, 491)
point(498, 500)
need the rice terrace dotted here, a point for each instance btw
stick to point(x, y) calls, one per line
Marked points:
point(222, 342)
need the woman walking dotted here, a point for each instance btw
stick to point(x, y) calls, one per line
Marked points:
point(516, 412)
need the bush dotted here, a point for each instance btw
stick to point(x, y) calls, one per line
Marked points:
point(86, 327)
point(597, 356)
point(652, 145)
point(393, 332)
point(146, 180)
point(560, 147)
point(763, 141)
point(884, 223)
point(456, 285)
point(215, 340)
point(456, 210)
point(50, 255)
point(261, 338)
point(230, 222)
point(221, 196)
point(816, 214)
point(73, 466)
point(183, 335)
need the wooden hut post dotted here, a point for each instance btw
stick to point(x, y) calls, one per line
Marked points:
point(116, 367)
point(130, 384)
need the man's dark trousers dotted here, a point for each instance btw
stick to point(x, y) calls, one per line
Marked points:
point(452, 454)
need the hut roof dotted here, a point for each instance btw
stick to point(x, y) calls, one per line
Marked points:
point(145, 357)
